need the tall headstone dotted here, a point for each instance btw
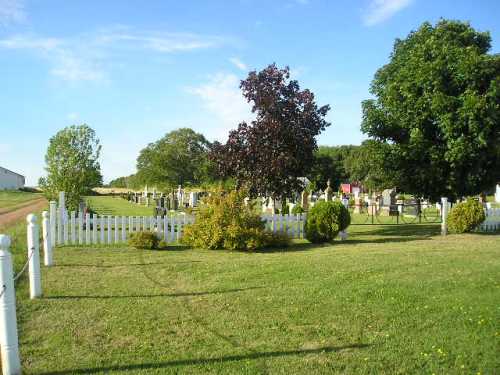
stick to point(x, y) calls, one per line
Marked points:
point(193, 199)
point(180, 196)
point(497, 194)
point(304, 200)
point(388, 203)
point(357, 204)
point(328, 191)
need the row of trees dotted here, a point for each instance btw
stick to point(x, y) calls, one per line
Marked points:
point(433, 130)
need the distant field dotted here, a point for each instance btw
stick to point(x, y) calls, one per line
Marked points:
point(108, 205)
point(12, 199)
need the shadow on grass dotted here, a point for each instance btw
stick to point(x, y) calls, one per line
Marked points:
point(205, 361)
point(402, 230)
point(376, 234)
point(76, 265)
point(186, 294)
point(497, 233)
point(305, 246)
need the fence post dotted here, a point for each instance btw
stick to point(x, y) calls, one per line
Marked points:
point(444, 214)
point(53, 221)
point(9, 344)
point(33, 257)
point(47, 249)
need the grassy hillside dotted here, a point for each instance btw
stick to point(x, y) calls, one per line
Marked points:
point(109, 205)
point(12, 199)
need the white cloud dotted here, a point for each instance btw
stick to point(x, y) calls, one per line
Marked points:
point(223, 98)
point(71, 68)
point(11, 11)
point(84, 57)
point(5, 148)
point(239, 64)
point(72, 116)
point(381, 10)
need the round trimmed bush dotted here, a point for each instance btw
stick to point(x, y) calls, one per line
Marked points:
point(465, 216)
point(325, 220)
point(143, 240)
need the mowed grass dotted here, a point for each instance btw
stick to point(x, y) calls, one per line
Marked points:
point(390, 300)
point(12, 199)
point(110, 205)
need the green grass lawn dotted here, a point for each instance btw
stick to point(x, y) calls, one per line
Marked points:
point(12, 199)
point(393, 299)
point(109, 205)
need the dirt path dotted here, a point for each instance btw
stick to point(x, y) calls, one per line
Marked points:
point(10, 217)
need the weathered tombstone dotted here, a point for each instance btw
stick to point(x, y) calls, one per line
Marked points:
point(388, 203)
point(180, 196)
point(497, 194)
point(162, 202)
point(328, 191)
point(245, 201)
point(357, 204)
point(193, 199)
point(304, 200)
point(154, 193)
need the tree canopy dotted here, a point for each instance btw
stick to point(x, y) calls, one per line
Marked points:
point(72, 164)
point(179, 158)
point(329, 163)
point(269, 155)
point(437, 111)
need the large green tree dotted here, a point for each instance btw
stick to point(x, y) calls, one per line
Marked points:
point(72, 164)
point(180, 157)
point(372, 165)
point(437, 108)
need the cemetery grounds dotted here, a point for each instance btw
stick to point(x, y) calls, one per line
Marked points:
point(390, 299)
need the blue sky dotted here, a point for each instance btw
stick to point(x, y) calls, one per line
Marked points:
point(134, 70)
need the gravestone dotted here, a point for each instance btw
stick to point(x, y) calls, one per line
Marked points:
point(193, 199)
point(180, 197)
point(328, 191)
point(357, 204)
point(388, 203)
point(497, 194)
point(304, 201)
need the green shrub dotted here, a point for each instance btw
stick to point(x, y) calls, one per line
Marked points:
point(143, 240)
point(286, 209)
point(465, 216)
point(224, 222)
point(297, 209)
point(325, 220)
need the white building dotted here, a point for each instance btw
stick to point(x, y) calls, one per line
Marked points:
point(10, 180)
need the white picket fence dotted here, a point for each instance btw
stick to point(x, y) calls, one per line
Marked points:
point(492, 222)
point(80, 229)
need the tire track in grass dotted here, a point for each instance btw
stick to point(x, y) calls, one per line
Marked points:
point(187, 304)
